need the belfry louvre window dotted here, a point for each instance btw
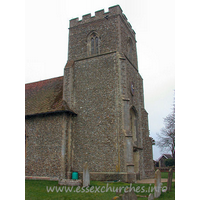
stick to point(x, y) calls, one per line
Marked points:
point(93, 44)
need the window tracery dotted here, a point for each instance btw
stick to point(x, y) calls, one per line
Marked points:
point(93, 41)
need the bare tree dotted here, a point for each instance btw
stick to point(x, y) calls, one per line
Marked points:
point(166, 137)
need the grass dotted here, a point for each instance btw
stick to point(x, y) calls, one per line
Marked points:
point(37, 189)
point(165, 175)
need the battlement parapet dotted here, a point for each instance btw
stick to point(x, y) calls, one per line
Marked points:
point(114, 10)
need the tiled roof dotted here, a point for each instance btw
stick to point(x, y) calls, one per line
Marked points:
point(167, 156)
point(45, 97)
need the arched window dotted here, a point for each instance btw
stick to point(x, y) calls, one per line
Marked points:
point(93, 42)
point(134, 131)
point(133, 125)
point(130, 49)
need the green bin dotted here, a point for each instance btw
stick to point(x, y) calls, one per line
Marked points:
point(74, 175)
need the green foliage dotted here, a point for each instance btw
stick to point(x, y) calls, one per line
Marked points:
point(170, 162)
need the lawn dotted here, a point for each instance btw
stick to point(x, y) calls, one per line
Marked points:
point(165, 175)
point(37, 189)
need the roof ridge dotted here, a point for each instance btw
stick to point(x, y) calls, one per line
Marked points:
point(44, 80)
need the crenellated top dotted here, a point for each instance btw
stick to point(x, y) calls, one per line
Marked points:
point(100, 14)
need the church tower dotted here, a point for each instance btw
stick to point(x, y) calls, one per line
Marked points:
point(103, 86)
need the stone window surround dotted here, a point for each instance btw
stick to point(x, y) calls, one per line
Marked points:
point(93, 43)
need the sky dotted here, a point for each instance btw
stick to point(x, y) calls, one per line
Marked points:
point(46, 46)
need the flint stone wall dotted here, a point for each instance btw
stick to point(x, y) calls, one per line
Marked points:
point(44, 145)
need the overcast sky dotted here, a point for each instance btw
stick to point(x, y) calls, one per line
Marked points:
point(47, 24)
